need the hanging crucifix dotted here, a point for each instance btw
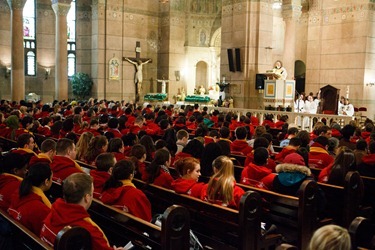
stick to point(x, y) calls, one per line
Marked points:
point(138, 63)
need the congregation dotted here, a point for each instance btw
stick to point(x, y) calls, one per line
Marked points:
point(125, 141)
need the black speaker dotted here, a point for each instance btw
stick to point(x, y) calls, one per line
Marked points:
point(230, 60)
point(259, 81)
point(238, 59)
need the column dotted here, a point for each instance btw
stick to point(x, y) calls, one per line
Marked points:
point(61, 53)
point(291, 12)
point(18, 68)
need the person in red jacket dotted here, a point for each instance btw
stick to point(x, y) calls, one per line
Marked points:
point(294, 144)
point(116, 147)
point(48, 149)
point(72, 211)
point(367, 167)
point(157, 172)
point(240, 144)
point(120, 192)
point(113, 125)
point(189, 170)
point(63, 163)
point(26, 145)
point(318, 155)
point(29, 204)
point(138, 157)
point(13, 168)
point(256, 173)
point(104, 164)
point(222, 188)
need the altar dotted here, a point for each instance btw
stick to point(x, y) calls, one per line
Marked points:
point(155, 97)
point(197, 98)
point(279, 93)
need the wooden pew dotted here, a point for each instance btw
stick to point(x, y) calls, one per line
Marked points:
point(7, 144)
point(369, 191)
point(73, 238)
point(362, 233)
point(121, 227)
point(343, 203)
point(22, 238)
point(294, 216)
point(217, 227)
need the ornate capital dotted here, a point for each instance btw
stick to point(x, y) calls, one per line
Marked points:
point(61, 9)
point(16, 4)
point(61, 1)
point(292, 9)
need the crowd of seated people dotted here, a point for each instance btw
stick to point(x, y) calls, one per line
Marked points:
point(127, 141)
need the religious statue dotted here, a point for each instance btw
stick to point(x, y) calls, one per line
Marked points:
point(138, 75)
point(163, 84)
point(222, 85)
point(183, 94)
point(202, 90)
point(279, 71)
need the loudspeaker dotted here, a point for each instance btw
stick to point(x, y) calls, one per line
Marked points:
point(259, 81)
point(230, 60)
point(238, 59)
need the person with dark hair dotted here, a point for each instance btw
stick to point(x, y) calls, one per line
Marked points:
point(221, 188)
point(347, 132)
point(120, 192)
point(94, 127)
point(210, 153)
point(294, 144)
point(189, 170)
point(97, 145)
point(318, 155)
point(26, 145)
point(240, 145)
point(360, 151)
point(137, 126)
point(256, 173)
point(194, 148)
point(157, 172)
point(182, 139)
point(367, 167)
point(149, 145)
point(113, 125)
point(67, 127)
point(333, 146)
point(335, 173)
point(261, 141)
point(170, 138)
point(104, 164)
point(64, 163)
point(48, 151)
point(13, 168)
point(213, 136)
point(138, 157)
point(72, 211)
point(304, 136)
point(29, 205)
point(129, 140)
point(225, 134)
point(116, 147)
point(292, 132)
point(55, 129)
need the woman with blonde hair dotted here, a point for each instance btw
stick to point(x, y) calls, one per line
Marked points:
point(330, 237)
point(83, 145)
point(222, 188)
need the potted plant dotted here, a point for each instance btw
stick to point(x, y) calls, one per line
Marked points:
point(81, 85)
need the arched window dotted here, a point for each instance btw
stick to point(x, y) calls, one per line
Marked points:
point(71, 27)
point(29, 37)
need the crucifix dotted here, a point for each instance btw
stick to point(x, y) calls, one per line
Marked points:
point(138, 63)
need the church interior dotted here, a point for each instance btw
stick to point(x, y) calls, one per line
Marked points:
point(192, 43)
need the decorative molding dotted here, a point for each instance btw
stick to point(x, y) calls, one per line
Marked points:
point(61, 9)
point(16, 4)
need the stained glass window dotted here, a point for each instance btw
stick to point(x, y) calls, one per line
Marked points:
point(71, 29)
point(29, 37)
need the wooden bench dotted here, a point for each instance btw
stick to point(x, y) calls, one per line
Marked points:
point(294, 216)
point(369, 191)
point(69, 238)
point(7, 144)
point(343, 203)
point(217, 227)
point(121, 227)
point(362, 233)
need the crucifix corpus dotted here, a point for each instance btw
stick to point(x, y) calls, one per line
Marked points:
point(138, 63)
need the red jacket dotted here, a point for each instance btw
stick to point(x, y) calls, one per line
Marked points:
point(270, 163)
point(164, 180)
point(324, 174)
point(129, 199)
point(8, 185)
point(284, 152)
point(319, 157)
point(62, 167)
point(116, 133)
point(100, 177)
point(188, 186)
point(40, 158)
point(235, 203)
point(63, 214)
point(240, 146)
point(30, 210)
point(119, 156)
point(254, 175)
